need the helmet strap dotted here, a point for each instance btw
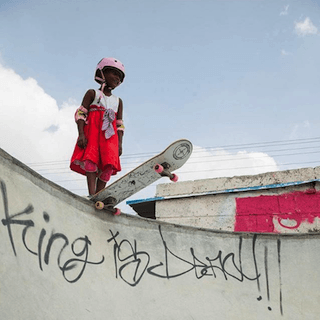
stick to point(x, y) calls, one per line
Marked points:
point(103, 80)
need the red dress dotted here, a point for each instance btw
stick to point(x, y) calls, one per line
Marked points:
point(101, 154)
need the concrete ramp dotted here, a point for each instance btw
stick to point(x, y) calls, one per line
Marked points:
point(62, 259)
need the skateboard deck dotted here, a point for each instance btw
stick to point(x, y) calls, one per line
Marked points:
point(172, 158)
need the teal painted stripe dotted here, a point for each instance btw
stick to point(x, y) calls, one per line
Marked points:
point(144, 200)
point(255, 188)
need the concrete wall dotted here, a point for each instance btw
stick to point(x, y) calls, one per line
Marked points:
point(62, 259)
point(278, 202)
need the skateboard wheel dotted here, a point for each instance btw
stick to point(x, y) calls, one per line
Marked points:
point(118, 212)
point(99, 205)
point(174, 178)
point(158, 168)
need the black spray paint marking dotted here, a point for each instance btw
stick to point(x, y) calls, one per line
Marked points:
point(266, 274)
point(82, 254)
point(8, 221)
point(280, 281)
point(131, 263)
point(136, 262)
point(254, 240)
point(225, 263)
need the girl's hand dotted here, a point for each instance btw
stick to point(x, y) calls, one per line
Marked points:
point(82, 141)
point(120, 149)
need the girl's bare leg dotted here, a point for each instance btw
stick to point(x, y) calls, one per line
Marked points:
point(100, 185)
point(91, 180)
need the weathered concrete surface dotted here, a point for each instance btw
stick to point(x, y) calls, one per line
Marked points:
point(279, 202)
point(219, 184)
point(61, 259)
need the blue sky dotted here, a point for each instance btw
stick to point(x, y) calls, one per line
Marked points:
point(219, 73)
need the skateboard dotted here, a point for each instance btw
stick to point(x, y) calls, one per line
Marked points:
point(161, 165)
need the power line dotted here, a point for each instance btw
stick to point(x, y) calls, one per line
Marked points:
point(221, 169)
point(128, 167)
point(262, 166)
point(270, 143)
point(126, 164)
point(225, 147)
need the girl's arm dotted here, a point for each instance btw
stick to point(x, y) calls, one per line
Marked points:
point(86, 101)
point(120, 132)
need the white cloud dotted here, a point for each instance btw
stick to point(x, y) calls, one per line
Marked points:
point(306, 27)
point(206, 164)
point(26, 114)
point(285, 11)
point(35, 130)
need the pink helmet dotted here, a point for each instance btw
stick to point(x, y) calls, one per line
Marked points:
point(109, 63)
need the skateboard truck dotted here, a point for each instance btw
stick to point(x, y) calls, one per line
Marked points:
point(108, 205)
point(163, 170)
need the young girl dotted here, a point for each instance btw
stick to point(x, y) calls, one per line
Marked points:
point(100, 128)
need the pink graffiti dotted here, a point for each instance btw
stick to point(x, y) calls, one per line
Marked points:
point(257, 214)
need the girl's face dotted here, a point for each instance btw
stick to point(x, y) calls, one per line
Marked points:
point(113, 77)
